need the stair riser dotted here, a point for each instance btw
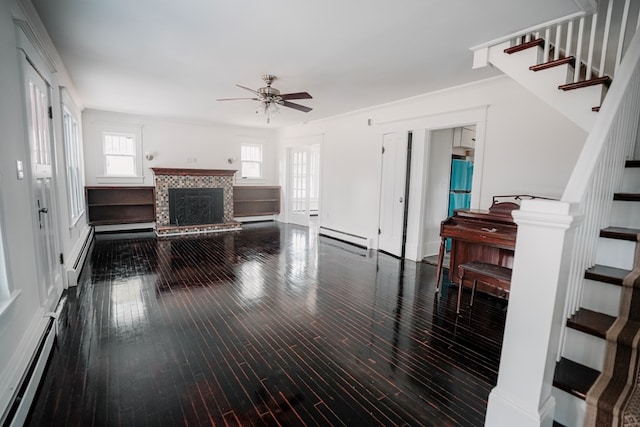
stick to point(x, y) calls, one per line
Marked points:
point(615, 253)
point(570, 410)
point(625, 214)
point(585, 349)
point(631, 181)
point(601, 297)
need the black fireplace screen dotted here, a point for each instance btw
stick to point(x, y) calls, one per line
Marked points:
point(195, 206)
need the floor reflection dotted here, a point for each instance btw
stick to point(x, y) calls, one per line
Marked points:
point(270, 325)
point(252, 279)
point(127, 305)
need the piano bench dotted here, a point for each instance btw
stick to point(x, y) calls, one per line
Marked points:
point(493, 275)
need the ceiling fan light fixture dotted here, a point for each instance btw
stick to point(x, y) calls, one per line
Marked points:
point(271, 99)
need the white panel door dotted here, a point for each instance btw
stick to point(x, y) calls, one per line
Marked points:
point(299, 185)
point(37, 95)
point(394, 176)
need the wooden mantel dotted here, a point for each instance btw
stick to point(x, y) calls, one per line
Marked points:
point(193, 172)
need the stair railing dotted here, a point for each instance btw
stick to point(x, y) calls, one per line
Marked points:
point(596, 41)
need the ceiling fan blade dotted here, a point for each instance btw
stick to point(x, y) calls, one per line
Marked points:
point(249, 89)
point(235, 99)
point(296, 106)
point(297, 95)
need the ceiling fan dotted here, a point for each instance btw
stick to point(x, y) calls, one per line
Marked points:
point(270, 98)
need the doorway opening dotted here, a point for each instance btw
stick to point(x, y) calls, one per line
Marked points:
point(450, 155)
point(303, 194)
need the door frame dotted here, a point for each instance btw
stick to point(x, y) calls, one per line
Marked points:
point(420, 127)
point(307, 141)
point(30, 57)
point(294, 217)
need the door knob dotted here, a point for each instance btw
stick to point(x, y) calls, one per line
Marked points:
point(400, 199)
point(43, 210)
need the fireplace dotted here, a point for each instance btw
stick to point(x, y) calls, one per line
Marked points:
point(194, 201)
point(195, 206)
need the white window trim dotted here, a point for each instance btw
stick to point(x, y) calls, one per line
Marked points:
point(246, 141)
point(68, 108)
point(125, 129)
point(7, 296)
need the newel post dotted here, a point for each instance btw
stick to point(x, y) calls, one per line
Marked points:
point(522, 396)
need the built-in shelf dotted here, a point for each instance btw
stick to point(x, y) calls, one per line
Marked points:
point(120, 205)
point(256, 200)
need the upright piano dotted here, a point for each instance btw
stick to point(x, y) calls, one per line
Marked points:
point(478, 235)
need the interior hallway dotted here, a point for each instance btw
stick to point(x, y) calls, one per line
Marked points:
point(272, 325)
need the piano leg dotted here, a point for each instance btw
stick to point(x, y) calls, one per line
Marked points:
point(439, 271)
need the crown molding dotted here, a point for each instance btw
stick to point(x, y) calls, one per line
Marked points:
point(26, 18)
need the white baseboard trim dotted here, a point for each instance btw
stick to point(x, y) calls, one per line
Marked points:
point(125, 227)
point(346, 237)
point(14, 375)
point(255, 218)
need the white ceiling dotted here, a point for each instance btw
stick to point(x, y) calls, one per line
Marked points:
point(173, 58)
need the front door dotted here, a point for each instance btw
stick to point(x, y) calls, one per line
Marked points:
point(299, 185)
point(37, 94)
point(392, 198)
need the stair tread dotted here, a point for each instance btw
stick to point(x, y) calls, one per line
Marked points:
point(627, 197)
point(632, 164)
point(620, 233)
point(606, 80)
point(554, 63)
point(606, 274)
point(574, 378)
point(591, 322)
point(524, 46)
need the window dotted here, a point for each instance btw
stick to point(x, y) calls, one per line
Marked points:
point(120, 153)
point(73, 156)
point(7, 296)
point(4, 285)
point(251, 159)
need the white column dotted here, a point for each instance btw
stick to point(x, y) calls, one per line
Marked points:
point(522, 396)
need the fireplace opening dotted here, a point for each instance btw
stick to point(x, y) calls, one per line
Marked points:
point(196, 206)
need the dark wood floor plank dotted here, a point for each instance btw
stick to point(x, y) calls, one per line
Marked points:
point(271, 325)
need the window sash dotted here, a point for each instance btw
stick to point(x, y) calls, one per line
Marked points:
point(119, 154)
point(251, 160)
point(75, 178)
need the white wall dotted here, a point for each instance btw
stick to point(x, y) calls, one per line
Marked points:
point(528, 149)
point(18, 323)
point(22, 318)
point(175, 144)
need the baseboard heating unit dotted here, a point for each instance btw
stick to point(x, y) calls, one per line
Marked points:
point(360, 241)
point(18, 410)
point(74, 270)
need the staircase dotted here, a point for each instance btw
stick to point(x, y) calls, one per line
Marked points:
point(585, 344)
point(571, 63)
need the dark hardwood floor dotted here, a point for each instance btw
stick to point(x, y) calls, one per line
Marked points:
point(272, 325)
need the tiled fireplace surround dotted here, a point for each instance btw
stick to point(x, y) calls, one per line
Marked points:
point(166, 178)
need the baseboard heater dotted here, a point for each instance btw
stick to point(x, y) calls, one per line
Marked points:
point(73, 272)
point(26, 391)
point(360, 241)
